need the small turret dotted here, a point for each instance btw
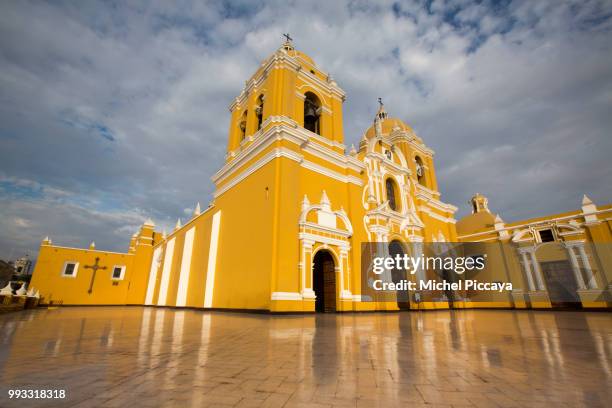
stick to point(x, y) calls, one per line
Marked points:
point(305, 203)
point(589, 209)
point(479, 203)
point(481, 218)
point(133, 242)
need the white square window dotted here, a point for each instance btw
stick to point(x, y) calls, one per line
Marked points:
point(118, 272)
point(70, 269)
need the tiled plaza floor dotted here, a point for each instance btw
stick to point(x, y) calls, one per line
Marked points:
point(140, 357)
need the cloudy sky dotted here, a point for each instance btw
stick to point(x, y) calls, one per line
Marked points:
point(110, 113)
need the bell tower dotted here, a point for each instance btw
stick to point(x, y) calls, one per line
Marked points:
point(288, 88)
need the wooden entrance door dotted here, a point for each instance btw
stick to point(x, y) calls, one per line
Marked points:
point(561, 283)
point(324, 282)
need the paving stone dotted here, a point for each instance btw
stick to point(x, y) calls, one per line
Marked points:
point(471, 358)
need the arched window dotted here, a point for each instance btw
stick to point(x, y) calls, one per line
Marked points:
point(312, 113)
point(259, 111)
point(242, 125)
point(391, 194)
point(420, 170)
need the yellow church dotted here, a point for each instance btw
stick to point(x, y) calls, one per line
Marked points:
point(289, 213)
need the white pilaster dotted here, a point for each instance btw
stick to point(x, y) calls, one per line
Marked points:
point(307, 291)
point(153, 276)
point(212, 260)
point(587, 266)
point(527, 266)
point(420, 273)
point(536, 270)
point(183, 285)
point(340, 268)
point(346, 275)
point(165, 279)
point(576, 267)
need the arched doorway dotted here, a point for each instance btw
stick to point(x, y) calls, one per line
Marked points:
point(324, 281)
point(397, 275)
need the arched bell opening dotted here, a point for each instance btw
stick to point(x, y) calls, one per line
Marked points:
point(312, 113)
point(242, 124)
point(420, 171)
point(259, 111)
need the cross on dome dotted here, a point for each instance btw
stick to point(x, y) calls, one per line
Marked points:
point(382, 113)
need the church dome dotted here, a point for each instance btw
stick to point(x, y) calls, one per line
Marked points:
point(387, 126)
point(480, 221)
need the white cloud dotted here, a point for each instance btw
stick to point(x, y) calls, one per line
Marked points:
point(108, 115)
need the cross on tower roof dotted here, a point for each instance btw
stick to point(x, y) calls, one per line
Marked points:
point(380, 101)
point(288, 37)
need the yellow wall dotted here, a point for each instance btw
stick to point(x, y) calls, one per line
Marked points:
point(47, 276)
point(54, 287)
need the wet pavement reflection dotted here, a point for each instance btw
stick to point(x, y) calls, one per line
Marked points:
point(141, 357)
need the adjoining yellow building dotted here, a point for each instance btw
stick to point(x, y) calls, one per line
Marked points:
point(288, 216)
point(561, 260)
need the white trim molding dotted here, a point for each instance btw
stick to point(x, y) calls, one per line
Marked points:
point(286, 129)
point(273, 154)
point(432, 214)
point(286, 296)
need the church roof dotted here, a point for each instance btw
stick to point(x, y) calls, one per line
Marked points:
point(292, 52)
point(303, 56)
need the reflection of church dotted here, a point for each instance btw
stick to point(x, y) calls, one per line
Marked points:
point(289, 213)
